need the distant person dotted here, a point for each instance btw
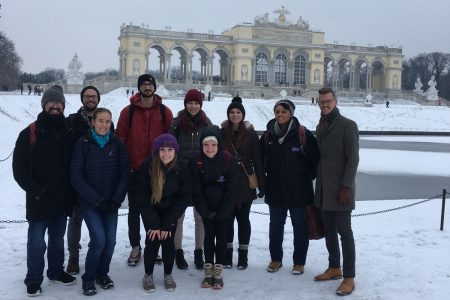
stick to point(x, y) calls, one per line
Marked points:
point(41, 167)
point(143, 120)
point(262, 95)
point(312, 101)
point(128, 92)
point(291, 154)
point(79, 124)
point(215, 196)
point(241, 140)
point(29, 89)
point(387, 103)
point(21, 88)
point(163, 190)
point(209, 96)
point(132, 92)
point(99, 173)
point(187, 127)
point(338, 140)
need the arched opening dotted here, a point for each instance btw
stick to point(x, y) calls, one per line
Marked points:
point(361, 75)
point(328, 72)
point(344, 74)
point(261, 68)
point(280, 69)
point(377, 76)
point(300, 70)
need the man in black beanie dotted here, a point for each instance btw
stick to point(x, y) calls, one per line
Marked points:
point(41, 168)
point(143, 120)
point(78, 124)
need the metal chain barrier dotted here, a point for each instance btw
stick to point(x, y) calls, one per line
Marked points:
point(5, 159)
point(266, 214)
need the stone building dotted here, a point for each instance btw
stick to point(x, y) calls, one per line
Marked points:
point(268, 54)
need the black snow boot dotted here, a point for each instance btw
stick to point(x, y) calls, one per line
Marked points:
point(242, 259)
point(228, 259)
point(198, 259)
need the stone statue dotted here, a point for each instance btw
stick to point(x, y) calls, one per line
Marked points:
point(432, 92)
point(74, 75)
point(136, 67)
point(244, 71)
point(262, 19)
point(395, 82)
point(302, 23)
point(282, 14)
point(418, 86)
point(316, 76)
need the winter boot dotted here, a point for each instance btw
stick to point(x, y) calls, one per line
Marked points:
point(135, 256)
point(329, 274)
point(169, 283)
point(73, 267)
point(148, 284)
point(209, 272)
point(347, 286)
point(242, 259)
point(198, 259)
point(229, 259)
point(180, 261)
point(217, 277)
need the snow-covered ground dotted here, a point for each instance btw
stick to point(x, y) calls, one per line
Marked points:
point(400, 254)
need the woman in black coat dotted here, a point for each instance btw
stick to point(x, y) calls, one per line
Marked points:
point(291, 155)
point(241, 140)
point(216, 184)
point(163, 189)
point(187, 128)
point(99, 173)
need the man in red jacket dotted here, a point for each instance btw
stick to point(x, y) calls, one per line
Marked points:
point(139, 124)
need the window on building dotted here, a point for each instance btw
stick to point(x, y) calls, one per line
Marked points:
point(261, 68)
point(300, 70)
point(280, 69)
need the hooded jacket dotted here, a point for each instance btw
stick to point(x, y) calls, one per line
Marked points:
point(146, 125)
point(216, 180)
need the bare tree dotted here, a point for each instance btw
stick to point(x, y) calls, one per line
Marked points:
point(10, 63)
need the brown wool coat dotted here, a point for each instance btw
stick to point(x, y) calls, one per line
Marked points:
point(338, 163)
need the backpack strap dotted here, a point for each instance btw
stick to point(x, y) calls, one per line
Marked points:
point(162, 111)
point(302, 135)
point(32, 134)
point(130, 114)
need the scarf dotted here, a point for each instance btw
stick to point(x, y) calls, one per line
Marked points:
point(325, 122)
point(190, 123)
point(279, 132)
point(101, 140)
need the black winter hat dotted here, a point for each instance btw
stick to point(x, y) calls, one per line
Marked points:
point(236, 102)
point(286, 104)
point(146, 77)
point(54, 93)
point(90, 87)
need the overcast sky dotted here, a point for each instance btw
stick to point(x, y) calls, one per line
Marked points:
point(47, 33)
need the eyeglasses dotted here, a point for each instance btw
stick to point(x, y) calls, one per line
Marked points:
point(87, 97)
point(327, 102)
point(146, 84)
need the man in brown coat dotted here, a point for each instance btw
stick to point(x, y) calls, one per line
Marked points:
point(338, 140)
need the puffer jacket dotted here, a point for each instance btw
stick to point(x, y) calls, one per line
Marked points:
point(176, 194)
point(98, 173)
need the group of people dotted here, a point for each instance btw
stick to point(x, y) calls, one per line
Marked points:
point(82, 167)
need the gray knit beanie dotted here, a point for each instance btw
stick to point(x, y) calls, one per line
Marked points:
point(54, 93)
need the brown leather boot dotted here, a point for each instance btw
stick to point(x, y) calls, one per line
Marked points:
point(329, 274)
point(347, 286)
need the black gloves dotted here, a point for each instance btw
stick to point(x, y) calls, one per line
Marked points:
point(103, 205)
point(261, 192)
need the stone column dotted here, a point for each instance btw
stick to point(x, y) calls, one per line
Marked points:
point(168, 66)
point(351, 84)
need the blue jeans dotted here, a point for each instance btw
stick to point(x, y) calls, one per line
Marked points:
point(36, 248)
point(276, 233)
point(102, 232)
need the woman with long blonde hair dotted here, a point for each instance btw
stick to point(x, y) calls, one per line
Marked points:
point(163, 189)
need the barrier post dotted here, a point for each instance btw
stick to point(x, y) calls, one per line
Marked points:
point(444, 192)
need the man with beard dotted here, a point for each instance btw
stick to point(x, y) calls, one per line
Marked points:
point(78, 125)
point(41, 167)
point(139, 124)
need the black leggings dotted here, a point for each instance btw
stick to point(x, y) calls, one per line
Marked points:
point(215, 240)
point(151, 252)
point(242, 216)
